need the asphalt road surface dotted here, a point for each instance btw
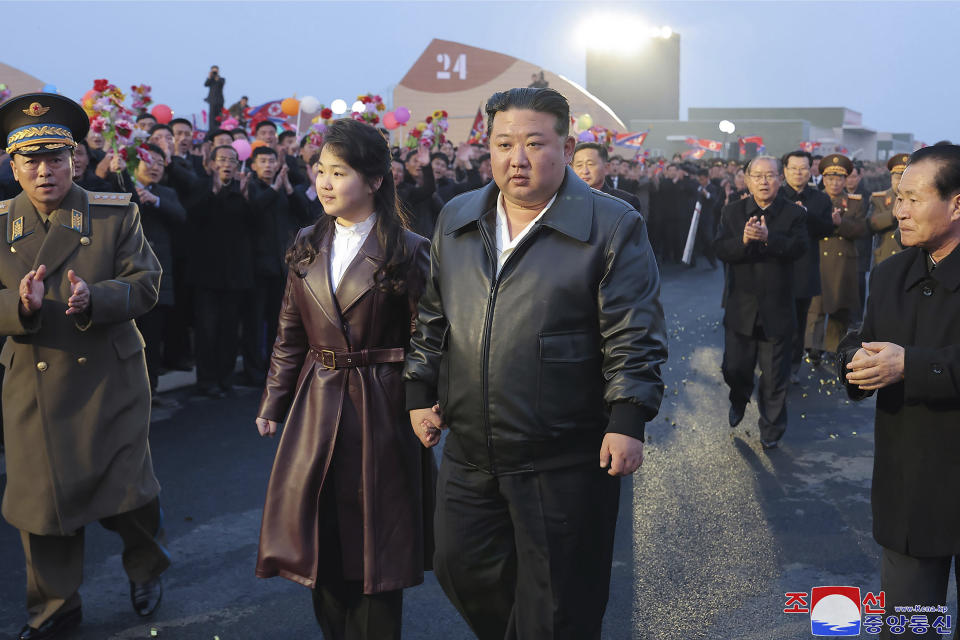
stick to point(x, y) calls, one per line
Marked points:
point(713, 530)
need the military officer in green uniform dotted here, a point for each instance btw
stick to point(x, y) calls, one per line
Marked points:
point(882, 221)
point(830, 313)
point(75, 270)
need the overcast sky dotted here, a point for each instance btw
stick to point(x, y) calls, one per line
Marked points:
point(892, 61)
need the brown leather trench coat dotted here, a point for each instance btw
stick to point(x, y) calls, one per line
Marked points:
point(838, 256)
point(361, 411)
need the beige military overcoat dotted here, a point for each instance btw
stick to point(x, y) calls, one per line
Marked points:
point(76, 398)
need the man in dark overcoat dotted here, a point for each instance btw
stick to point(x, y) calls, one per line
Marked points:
point(819, 223)
point(760, 237)
point(75, 273)
point(541, 334)
point(908, 352)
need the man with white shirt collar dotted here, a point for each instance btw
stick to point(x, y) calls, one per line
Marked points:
point(541, 336)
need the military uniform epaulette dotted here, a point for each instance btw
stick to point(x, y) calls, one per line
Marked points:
point(878, 194)
point(855, 196)
point(105, 197)
point(4, 205)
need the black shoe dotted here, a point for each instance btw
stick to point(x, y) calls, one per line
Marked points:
point(770, 444)
point(813, 356)
point(736, 414)
point(146, 596)
point(53, 627)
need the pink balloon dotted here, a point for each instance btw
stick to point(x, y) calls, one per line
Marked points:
point(242, 147)
point(162, 113)
point(390, 120)
point(402, 114)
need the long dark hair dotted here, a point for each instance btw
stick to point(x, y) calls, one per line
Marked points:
point(365, 151)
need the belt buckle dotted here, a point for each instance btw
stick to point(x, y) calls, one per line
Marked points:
point(323, 359)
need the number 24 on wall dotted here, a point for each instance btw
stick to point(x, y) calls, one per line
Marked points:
point(459, 67)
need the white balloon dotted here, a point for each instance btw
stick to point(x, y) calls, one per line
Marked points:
point(309, 104)
point(358, 106)
point(338, 106)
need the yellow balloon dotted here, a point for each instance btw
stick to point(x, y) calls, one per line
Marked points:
point(584, 122)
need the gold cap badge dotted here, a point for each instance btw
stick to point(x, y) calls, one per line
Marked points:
point(36, 110)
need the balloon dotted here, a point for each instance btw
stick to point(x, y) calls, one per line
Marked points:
point(49, 88)
point(584, 121)
point(89, 95)
point(290, 106)
point(321, 127)
point(242, 147)
point(162, 113)
point(587, 136)
point(390, 121)
point(256, 144)
point(309, 104)
point(402, 114)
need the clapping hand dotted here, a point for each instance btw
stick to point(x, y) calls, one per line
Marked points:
point(755, 230)
point(146, 197)
point(31, 291)
point(837, 216)
point(79, 294)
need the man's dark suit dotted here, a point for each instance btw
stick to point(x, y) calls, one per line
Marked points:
point(759, 318)
point(806, 270)
point(916, 474)
point(160, 225)
point(222, 225)
point(626, 196)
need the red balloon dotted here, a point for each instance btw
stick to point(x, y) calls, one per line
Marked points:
point(390, 120)
point(89, 94)
point(162, 113)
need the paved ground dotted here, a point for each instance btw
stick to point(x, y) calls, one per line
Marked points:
point(713, 530)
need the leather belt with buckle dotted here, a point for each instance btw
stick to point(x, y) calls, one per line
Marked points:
point(330, 359)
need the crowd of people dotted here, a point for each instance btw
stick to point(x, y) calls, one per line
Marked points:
point(373, 324)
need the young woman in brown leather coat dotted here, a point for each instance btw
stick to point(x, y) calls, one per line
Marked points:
point(349, 503)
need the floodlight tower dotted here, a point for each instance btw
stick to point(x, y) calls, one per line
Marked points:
point(634, 69)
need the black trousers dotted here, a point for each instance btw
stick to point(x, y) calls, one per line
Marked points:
point(55, 563)
point(801, 307)
point(342, 609)
point(218, 330)
point(908, 581)
point(152, 325)
point(526, 556)
point(260, 321)
point(177, 350)
point(740, 356)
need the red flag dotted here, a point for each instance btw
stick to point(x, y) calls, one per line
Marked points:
point(757, 140)
point(478, 132)
point(809, 146)
point(635, 140)
point(696, 154)
point(705, 144)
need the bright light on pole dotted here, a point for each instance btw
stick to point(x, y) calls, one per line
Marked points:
point(620, 32)
point(338, 106)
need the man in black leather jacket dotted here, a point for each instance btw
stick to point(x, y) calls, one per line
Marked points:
point(541, 336)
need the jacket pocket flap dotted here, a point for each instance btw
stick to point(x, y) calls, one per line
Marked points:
point(6, 356)
point(567, 346)
point(128, 343)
